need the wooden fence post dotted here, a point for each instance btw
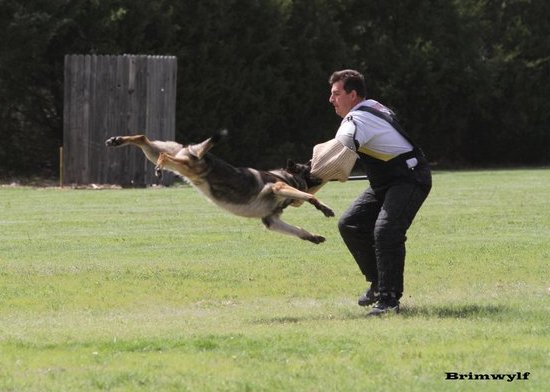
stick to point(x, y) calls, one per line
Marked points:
point(116, 95)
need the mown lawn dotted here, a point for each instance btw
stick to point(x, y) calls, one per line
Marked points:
point(158, 290)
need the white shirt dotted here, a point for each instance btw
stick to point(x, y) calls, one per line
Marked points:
point(375, 136)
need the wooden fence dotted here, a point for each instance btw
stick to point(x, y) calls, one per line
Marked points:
point(116, 95)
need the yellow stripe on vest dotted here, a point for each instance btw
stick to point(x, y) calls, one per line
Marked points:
point(376, 154)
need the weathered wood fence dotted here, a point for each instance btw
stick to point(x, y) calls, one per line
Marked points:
point(116, 95)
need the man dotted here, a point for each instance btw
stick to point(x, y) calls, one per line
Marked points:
point(374, 227)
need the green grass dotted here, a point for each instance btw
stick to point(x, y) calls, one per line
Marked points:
point(158, 290)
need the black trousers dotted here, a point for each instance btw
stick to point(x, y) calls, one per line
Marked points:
point(374, 229)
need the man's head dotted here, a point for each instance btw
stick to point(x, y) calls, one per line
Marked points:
point(347, 90)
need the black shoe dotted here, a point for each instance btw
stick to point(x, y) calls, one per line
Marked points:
point(371, 296)
point(384, 307)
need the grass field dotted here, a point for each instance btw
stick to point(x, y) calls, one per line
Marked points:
point(158, 290)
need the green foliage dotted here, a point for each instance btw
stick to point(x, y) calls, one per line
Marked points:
point(516, 54)
point(157, 289)
point(469, 79)
point(230, 74)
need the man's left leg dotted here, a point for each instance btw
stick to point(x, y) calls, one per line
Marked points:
point(356, 227)
point(401, 203)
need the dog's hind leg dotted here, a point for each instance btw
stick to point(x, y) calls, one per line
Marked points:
point(275, 223)
point(285, 190)
point(178, 165)
point(151, 148)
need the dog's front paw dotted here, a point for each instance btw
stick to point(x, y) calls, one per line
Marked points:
point(327, 211)
point(114, 141)
point(316, 239)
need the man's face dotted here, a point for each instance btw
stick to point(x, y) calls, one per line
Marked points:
point(341, 100)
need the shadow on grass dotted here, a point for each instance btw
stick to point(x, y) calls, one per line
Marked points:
point(461, 311)
point(454, 311)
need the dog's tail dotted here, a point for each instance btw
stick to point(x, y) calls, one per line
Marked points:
point(220, 135)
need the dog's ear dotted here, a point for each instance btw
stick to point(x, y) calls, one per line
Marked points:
point(290, 166)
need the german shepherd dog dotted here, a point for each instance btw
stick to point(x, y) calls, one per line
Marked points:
point(242, 191)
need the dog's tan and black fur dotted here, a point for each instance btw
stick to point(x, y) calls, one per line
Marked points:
point(243, 191)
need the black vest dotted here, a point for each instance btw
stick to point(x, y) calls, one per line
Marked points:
point(383, 173)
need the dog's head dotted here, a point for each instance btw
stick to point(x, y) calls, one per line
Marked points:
point(302, 171)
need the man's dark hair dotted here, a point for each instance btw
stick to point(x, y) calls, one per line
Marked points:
point(352, 80)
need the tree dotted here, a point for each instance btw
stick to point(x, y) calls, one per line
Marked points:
point(514, 48)
point(36, 35)
point(418, 59)
point(469, 79)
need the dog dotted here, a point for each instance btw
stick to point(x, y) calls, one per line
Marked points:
point(242, 191)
